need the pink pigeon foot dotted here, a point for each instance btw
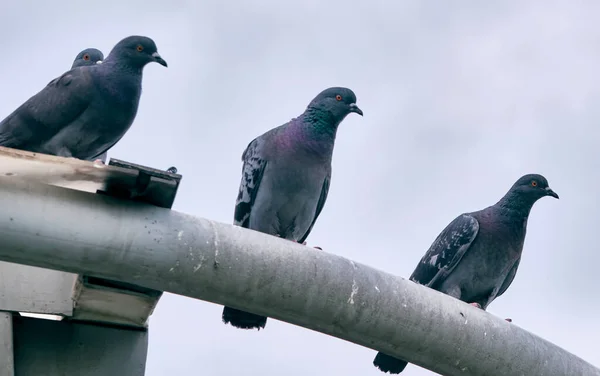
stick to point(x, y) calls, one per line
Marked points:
point(98, 161)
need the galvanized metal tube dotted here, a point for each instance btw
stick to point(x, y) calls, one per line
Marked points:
point(81, 232)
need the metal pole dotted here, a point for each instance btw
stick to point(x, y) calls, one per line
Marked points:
point(165, 250)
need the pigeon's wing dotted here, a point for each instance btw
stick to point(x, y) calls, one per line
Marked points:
point(446, 251)
point(320, 205)
point(509, 278)
point(252, 172)
point(37, 120)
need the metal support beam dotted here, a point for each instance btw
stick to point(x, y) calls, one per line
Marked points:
point(7, 363)
point(80, 232)
point(60, 348)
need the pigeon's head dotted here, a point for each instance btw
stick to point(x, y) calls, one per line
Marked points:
point(336, 103)
point(89, 56)
point(533, 186)
point(136, 51)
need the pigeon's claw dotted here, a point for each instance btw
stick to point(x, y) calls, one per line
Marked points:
point(476, 305)
point(509, 320)
point(319, 248)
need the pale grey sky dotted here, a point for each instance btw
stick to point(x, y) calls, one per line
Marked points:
point(460, 99)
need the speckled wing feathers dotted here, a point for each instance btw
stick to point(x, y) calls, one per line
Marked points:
point(446, 251)
point(252, 172)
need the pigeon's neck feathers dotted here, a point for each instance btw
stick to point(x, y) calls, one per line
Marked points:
point(116, 63)
point(516, 204)
point(507, 218)
point(311, 134)
point(321, 121)
point(119, 80)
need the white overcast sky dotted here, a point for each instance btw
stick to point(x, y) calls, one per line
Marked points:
point(460, 99)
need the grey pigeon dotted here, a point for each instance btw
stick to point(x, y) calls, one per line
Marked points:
point(88, 109)
point(286, 175)
point(476, 257)
point(87, 57)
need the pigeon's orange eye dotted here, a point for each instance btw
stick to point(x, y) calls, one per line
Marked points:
point(534, 183)
point(86, 57)
point(338, 97)
point(140, 48)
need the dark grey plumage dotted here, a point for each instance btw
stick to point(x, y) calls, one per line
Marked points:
point(88, 109)
point(88, 57)
point(286, 175)
point(476, 257)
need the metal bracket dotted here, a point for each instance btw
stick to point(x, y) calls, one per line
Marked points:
point(122, 303)
point(152, 186)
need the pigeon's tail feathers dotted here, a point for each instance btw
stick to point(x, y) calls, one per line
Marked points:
point(389, 364)
point(243, 320)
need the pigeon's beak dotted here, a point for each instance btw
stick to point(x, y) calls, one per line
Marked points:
point(354, 108)
point(158, 59)
point(99, 62)
point(550, 192)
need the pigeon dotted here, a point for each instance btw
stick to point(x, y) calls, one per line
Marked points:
point(87, 57)
point(88, 109)
point(285, 178)
point(475, 258)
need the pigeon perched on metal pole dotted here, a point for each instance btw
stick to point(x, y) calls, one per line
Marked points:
point(88, 109)
point(87, 57)
point(285, 178)
point(475, 258)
